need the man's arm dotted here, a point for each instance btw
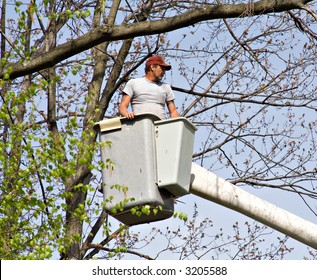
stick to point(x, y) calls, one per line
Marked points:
point(123, 107)
point(172, 109)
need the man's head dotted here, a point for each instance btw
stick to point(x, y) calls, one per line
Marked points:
point(155, 68)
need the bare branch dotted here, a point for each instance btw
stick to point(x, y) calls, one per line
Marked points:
point(113, 33)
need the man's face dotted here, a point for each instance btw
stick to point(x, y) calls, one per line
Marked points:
point(158, 72)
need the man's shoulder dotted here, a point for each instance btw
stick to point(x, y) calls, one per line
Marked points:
point(166, 86)
point(136, 80)
point(143, 82)
point(132, 82)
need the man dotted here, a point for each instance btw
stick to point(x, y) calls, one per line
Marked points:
point(149, 94)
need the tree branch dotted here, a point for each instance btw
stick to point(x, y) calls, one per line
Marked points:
point(120, 32)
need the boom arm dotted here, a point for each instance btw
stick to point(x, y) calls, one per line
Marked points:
point(211, 187)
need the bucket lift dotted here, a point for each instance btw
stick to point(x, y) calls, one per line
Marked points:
point(153, 166)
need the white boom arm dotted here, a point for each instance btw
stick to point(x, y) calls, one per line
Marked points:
point(211, 187)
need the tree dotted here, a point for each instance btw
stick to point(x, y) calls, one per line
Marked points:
point(245, 77)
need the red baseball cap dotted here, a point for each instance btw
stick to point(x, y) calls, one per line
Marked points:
point(158, 60)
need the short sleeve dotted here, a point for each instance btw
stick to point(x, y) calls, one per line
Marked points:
point(128, 89)
point(170, 94)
